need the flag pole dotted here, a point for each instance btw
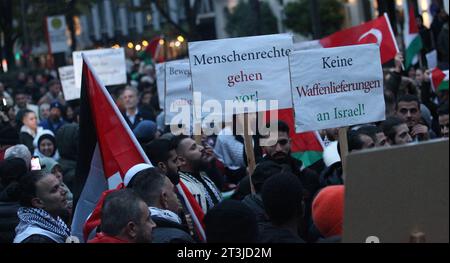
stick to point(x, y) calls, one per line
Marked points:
point(386, 16)
point(248, 142)
point(343, 147)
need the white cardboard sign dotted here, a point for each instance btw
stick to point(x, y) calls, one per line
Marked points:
point(178, 95)
point(67, 77)
point(337, 87)
point(242, 70)
point(109, 64)
point(57, 38)
point(160, 83)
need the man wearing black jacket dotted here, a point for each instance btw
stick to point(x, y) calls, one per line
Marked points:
point(133, 115)
point(158, 192)
point(280, 153)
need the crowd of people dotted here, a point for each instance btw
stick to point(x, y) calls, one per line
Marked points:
point(290, 203)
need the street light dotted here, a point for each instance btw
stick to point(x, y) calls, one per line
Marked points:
point(180, 39)
point(130, 45)
point(138, 47)
point(145, 43)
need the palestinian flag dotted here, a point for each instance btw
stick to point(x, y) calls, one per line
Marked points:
point(107, 150)
point(413, 42)
point(308, 146)
point(439, 79)
point(155, 49)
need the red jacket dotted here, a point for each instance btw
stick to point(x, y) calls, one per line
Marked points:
point(104, 238)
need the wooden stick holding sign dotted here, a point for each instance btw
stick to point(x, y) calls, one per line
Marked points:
point(248, 143)
point(343, 148)
point(198, 133)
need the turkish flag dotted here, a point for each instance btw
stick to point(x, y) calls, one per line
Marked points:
point(377, 31)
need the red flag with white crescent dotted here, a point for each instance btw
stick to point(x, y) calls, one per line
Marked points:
point(377, 31)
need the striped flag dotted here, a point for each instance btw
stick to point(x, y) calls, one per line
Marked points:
point(108, 149)
point(439, 79)
point(413, 41)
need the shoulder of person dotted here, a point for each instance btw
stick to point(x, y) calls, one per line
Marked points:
point(36, 238)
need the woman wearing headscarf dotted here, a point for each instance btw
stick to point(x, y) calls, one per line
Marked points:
point(45, 145)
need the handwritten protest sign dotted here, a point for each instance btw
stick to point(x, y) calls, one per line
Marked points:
point(108, 63)
point(67, 77)
point(178, 95)
point(161, 83)
point(242, 70)
point(337, 87)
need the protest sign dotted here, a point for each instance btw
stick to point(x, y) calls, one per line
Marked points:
point(391, 193)
point(108, 63)
point(432, 59)
point(178, 95)
point(337, 87)
point(70, 91)
point(56, 34)
point(160, 83)
point(242, 71)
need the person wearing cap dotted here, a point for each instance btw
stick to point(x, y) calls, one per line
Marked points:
point(328, 212)
point(55, 120)
point(45, 145)
point(145, 131)
point(158, 192)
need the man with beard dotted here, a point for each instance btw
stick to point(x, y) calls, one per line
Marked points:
point(280, 153)
point(163, 155)
point(193, 159)
point(125, 218)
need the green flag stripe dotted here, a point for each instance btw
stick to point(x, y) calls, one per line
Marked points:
point(412, 50)
point(443, 85)
point(308, 157)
